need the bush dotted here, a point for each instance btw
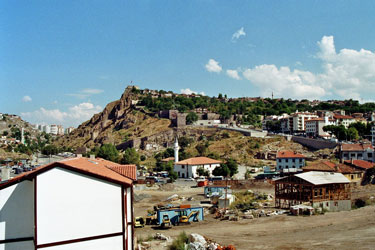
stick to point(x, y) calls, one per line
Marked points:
point(359, 203)
point(179, 243)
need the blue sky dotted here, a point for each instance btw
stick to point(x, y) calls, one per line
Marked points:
point(62, 61)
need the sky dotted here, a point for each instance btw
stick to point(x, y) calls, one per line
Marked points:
point(63, 61)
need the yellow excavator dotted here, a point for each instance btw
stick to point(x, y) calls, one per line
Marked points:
point(166, 222)
point(184, 218)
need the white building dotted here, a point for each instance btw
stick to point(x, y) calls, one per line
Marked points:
point(344, 120)
point(299, 119)
point(289, 161)
point(46, 129)
point(314, 126)
point(188, 168)
point(54, 129)
point(73, 204)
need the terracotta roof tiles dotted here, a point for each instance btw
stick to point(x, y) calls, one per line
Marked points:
point(356, 147)
point(360, 164)
point(95, 167)
point(198, 161)
point(289, 154)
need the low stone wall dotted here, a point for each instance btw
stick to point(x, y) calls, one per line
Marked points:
point(314, 143)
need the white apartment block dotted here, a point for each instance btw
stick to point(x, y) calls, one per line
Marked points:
point(314, 127)
point(299, 119)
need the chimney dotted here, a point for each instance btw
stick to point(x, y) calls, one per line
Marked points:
point(79, 155)
point(352, 161)
point(92, 157)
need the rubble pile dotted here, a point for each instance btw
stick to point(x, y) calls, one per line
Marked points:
point(199, 242)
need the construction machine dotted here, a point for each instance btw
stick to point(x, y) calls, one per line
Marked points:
point(139, 222)
point(151, 218)
point(184, 218)
point(166, 222)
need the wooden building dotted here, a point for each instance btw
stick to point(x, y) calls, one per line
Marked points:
point(77, 203)
point(327, 190)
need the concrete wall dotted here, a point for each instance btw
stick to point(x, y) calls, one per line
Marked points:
point(71, 206)
point(334, 206)
point(314, 143)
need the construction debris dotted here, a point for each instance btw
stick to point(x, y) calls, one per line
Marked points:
point(159, 236)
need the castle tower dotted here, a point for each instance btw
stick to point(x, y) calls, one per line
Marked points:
point(176, 148)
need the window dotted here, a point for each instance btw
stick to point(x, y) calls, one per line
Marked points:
point(351, 176)
point(182, 166)
point(369, 155)
point(294, 160)
point(279, 160)
point(359, 155)
point(286, 160)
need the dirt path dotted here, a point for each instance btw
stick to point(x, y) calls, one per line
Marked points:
point(341, 230)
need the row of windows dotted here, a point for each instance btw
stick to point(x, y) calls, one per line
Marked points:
point(293, 160)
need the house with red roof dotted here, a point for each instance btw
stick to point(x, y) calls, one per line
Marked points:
point(76, 203)
point(358, 151)
point(188, 168)
point(354, 175)
point(289, 161)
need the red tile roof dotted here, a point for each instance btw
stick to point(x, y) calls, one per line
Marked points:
point(129, 171)
point(289, 154)
point(95, 167)
point(327, 166)
point(356, 147)
point(342, 117)
point(168, 159)
point(360, 164)
point(198, 161)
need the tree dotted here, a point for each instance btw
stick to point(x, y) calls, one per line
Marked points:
point(5, 133)
point(232, 166)
point(202, 148)
point(221, 171)
point(50, 150)
point(203, 172)
point(108, 152)
point(130, 156)
point(191, 118)
point(352, 133)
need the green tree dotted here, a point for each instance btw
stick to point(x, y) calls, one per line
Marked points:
point(232, 165)
point(221, 171)
point(202, 148)
point(191, 118)
point(108, 152)
point(203, 172)
point(130, 156)
point(352, 133)
point(50, 150)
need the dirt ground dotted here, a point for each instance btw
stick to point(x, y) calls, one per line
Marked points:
point(335, 230)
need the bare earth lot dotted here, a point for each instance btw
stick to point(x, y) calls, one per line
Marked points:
point(341, 230)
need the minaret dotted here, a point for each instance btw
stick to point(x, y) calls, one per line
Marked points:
point(22, 136)
point(176, 148)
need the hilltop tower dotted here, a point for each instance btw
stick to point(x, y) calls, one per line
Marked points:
point(176, 148)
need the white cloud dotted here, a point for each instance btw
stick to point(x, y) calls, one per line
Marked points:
point(26, 98)
point(236, 35)
point(189, 92)
point(213, 66)
point(346, 74)
point(73, 117)
point(84, 93)
point(284, 82)
point(233, 74)
point(92, 91)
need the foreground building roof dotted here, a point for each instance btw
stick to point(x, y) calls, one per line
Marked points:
point(99, 168)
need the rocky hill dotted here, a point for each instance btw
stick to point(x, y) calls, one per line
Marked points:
point(119, 122)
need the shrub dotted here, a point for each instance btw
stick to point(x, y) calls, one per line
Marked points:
point(179, 243)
